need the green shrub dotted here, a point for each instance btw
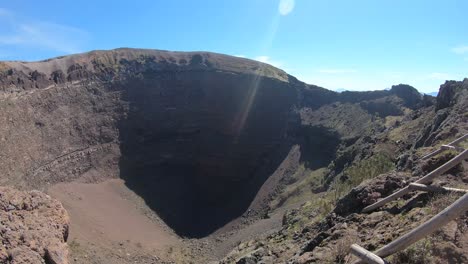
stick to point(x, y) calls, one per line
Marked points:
point(365, 169)
point(357, 173)
point(369, 168)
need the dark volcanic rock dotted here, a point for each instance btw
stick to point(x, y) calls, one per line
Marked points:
point(451, 118)
point(448, 93)
point(367, 194)
point(411, 97)
point(194, 134)
point(203, 142)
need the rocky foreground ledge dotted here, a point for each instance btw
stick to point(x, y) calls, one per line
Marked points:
point(33, 228)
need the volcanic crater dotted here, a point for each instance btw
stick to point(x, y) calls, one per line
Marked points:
point(204, 139)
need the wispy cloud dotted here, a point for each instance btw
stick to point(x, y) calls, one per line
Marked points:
point(286, 6)
point(4, 54)
point(267, 59)
point(40, 34)
point(463, 49)
point(336, 71)
point(4, 12)
point(10, 40)
point(240, 56)
point(439, 76)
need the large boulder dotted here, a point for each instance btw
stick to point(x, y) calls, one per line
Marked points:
point(370, 192)
point(33, 228)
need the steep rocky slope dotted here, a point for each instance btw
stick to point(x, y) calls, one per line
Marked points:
point(212, 143)
point(187, 131)
point(322, 229)
point(198, 127)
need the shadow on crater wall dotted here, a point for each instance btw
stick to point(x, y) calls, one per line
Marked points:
point(318, 145)
point(197, 146)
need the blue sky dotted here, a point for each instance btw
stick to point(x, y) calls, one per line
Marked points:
point(356, 45)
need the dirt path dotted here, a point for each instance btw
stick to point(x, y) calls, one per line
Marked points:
point(110, 218)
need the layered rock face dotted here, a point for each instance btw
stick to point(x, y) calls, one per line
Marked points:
point(195, 134)
point(198, 145)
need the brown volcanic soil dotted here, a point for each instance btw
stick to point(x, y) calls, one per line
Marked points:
point(109, 217)
point(111, 224)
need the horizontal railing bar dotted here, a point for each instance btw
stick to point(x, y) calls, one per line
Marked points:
point(442, 148)
point(448, 214)
point(426, 179)
point(427, 228)
point(431, 188)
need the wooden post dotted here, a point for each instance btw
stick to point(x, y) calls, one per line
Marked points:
point(445, 167)
point(432, 154)
point(442, 148)
point(426, 179)
point(429, 227)
point(447, 147)
point(456, 148)
point(459, 140)
point(386, 200)
point(366, 256)
point(448, 214)
point(431, 188)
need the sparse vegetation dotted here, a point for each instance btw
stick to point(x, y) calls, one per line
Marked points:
point(301, 188)
point(342, 248)
point(74, 245)
point(321, 204)
point(3, 67)
point(419, 253)
point(441, 201)
point(363, 170)
point(393, 121)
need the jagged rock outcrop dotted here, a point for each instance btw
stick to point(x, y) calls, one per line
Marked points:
point(450, 93)
point(450, 114)
point(367, 194)
point(33, 228)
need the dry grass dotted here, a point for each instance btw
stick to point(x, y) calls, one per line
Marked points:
point(441, 201)
point(405, 129)
point(340, 251)
point(319, 205)
point(301, 189)
point(357, 173)
point(419, 253)
point(3, 67)
point(390, 121)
